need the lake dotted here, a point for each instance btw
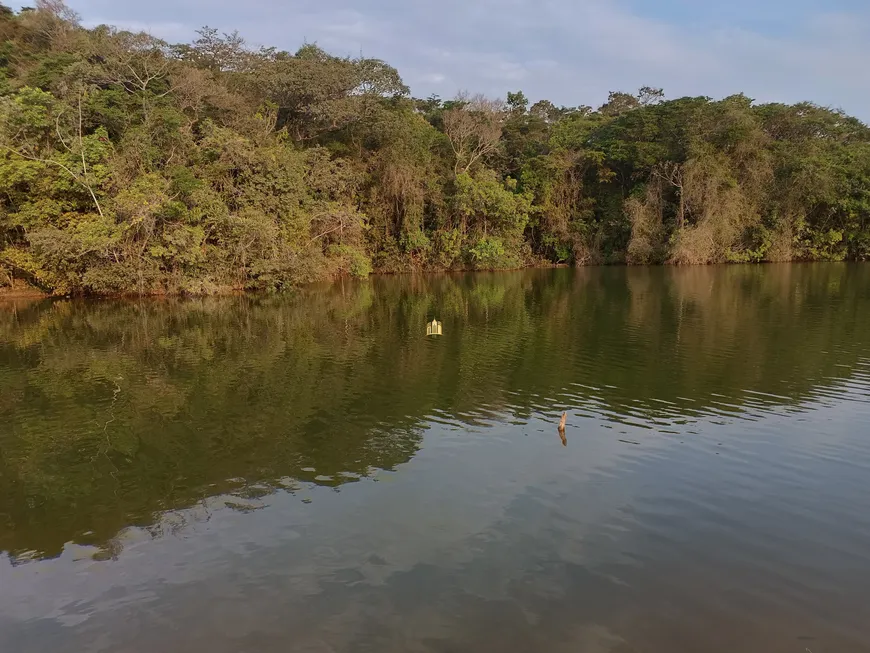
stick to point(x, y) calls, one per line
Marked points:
point(312, 472)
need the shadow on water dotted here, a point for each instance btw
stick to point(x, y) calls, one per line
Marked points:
point(114, 413)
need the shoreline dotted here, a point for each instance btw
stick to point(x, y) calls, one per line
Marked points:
point(24, 292)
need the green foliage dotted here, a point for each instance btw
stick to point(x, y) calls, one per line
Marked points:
point(351, 260)
point(448, 247)
point(492, 204)
point(130, 165)
point(489, 252)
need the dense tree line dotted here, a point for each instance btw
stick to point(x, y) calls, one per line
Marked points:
point(128, 164)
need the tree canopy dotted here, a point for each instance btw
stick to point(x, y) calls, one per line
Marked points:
point(128, 164)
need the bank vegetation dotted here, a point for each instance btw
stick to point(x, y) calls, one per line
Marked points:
point(133, 165)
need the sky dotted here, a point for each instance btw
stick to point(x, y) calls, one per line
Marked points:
point(571, 52)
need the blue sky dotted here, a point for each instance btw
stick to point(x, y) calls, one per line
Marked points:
point(570, 51)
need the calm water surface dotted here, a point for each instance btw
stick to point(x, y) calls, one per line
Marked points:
point(313, 473)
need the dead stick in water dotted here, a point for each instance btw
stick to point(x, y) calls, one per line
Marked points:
point(562, 429)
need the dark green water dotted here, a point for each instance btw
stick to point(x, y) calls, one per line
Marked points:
point(314, 473)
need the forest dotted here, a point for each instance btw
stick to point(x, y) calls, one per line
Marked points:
point(129, 165)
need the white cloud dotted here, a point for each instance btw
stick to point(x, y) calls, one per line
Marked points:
point(173, 32)
point(433, 78)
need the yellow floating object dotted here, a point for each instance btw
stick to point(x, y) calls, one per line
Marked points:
point(434, 328)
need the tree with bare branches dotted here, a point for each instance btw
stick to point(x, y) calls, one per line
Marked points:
point(474, 128)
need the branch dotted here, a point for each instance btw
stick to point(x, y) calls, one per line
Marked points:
point(59, 135)
point(327, 232)
point(70, 172)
